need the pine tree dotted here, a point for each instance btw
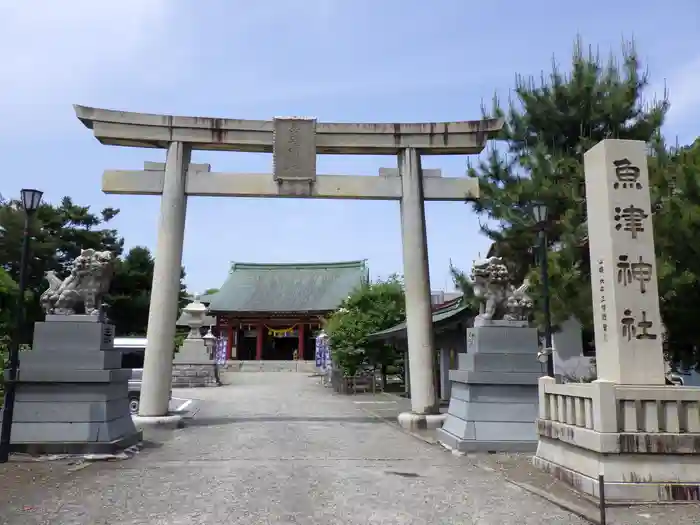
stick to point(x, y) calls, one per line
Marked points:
point(547, 129)
point(675, 182)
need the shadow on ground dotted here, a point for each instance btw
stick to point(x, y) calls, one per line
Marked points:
point(203, 421)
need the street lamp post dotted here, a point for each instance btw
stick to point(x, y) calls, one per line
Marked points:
point(539, 212)
point(30, 202)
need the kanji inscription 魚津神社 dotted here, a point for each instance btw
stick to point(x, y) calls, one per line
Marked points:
point(621, 239)
point(630, 219)
point(630, 271)
point(627, 175)
point(633, 328)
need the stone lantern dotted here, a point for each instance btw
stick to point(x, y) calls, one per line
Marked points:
point(193, 365)
point(195, 317)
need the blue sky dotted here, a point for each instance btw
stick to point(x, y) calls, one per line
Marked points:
point(337, 60)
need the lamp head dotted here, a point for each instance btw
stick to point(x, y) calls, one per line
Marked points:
point(539, 211)
point(209, 339)
point(31, 199)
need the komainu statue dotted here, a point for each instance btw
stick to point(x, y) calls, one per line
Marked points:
point(500, 300)
point(89, 278)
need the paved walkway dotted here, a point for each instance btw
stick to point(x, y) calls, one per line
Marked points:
point(277, 448)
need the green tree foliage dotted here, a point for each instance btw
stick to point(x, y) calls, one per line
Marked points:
point(464, 284)
point(369, 309)
point(58, 234)
point(130, 293)
point(8, 296)
point(548, 127)
point(675, 180)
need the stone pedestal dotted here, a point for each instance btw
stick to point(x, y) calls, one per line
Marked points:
point(493, 403)
point(192, 365)
point(645, 440)
point(72, 394)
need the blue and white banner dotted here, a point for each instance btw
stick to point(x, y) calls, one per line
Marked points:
point(319, 351)
point(221, 351)
point(323, 353)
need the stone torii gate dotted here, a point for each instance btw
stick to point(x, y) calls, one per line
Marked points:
point(294, 143)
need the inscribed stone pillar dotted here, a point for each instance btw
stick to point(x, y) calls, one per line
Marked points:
point(627, 318)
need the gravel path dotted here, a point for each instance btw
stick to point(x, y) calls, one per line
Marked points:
point(277, 448)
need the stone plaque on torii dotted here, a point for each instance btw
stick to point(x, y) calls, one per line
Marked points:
point(294, 143)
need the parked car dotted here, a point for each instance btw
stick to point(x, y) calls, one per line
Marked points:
point(135, 390)
point(674, 379)
point(133, 352)
point(686, 378)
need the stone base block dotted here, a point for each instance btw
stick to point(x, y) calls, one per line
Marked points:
point(638, 478)
point(72, 396)
point(57, 416)
point(193, 352)
point(193, 375)
point(499, 339)
point(454, 443)
point(171, 421)
point(412, 421)
point(69, 411)
point(95, 431)
point(491, 418)
point(49, 374)
point(77, 448)
point(73, 393)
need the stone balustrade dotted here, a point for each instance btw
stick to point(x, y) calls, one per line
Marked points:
point(569, 404)
point(606, 417)
point(669, 409)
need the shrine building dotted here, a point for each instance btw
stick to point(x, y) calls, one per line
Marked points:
point(273, 311)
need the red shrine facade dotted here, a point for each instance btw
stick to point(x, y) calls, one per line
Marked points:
point(273, 312)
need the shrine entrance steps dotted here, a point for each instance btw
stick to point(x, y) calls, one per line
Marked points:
point(307, 367)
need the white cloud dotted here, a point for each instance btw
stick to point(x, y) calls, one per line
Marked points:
point(95, 52)
point(369, 82)
point(51, 50)
point(684, 93)
point(170, 56)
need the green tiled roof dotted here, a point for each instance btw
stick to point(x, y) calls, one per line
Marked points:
point(441, 318)
point(310, 287)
